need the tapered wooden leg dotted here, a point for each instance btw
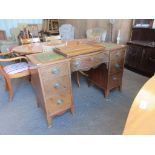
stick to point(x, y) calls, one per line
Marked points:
point(6, 85)
point(72, 109)
point(78, 78)
point(9, 87)
point(106, 93)
point(49, 121)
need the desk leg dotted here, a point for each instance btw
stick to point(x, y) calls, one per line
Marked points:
point(49, 121)
point(106, 93)
point(72, 109)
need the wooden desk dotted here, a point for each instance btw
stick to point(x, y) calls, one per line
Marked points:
point(51, 74)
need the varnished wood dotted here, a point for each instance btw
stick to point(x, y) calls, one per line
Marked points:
point(140, 120)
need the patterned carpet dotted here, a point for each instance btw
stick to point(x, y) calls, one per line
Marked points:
point(94, 115)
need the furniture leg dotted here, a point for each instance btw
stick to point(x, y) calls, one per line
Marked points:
point(106, 93)
point(78, 78)
point(9, 84)
point(6, 85)
point(49, 121)
point(72, 109)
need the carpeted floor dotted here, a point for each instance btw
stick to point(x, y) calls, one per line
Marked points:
point(93, 113)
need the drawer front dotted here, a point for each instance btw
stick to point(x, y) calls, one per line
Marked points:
point(54, 71)
point(86, 62)
point(117, 55)
point(116, 66)
point(58, 103)
point(56, 86)
point(117, 61)
point(115, 80)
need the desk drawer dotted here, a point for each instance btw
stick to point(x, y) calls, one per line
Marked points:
point(115, 80)
point(54, 71)
point(117, 55)
point(59, 103)
point(117, 61)
point(56, 86)
point(86, 62)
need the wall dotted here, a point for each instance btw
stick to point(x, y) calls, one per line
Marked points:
point(81, 25)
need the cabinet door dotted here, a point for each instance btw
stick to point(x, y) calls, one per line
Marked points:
point(133, 56)
point(148, 60)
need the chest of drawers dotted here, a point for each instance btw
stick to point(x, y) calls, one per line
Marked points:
point(52, 85)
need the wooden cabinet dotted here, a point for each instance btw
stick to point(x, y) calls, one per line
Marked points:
point(140, 55)
point(141, 59)
point(109, 76)
point(52, 85)
point(51, 26)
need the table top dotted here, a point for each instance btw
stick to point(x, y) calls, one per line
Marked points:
point(37, 47)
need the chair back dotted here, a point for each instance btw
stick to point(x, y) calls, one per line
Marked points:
point(97, 34)
point(67, 32)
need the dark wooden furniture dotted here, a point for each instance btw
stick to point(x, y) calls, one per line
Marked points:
point(140, 56)
point(51, 80)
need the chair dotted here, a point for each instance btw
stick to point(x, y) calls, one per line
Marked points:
point(51, 38)
point(15, 70)
point(97, 34)
point(66, 32)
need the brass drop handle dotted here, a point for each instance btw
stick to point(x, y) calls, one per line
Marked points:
point(114, 78)
point(117, 66)
point(55, 71)
point(57, 85)
point(77, 63)
point(60, 101)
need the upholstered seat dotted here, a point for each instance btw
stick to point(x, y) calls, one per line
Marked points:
point(16, 68)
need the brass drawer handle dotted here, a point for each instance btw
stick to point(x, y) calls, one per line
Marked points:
point(55, 71)
point(60, 101)
point(117, 66)
point(77, 63)
point(114, 78)
point(57, 85)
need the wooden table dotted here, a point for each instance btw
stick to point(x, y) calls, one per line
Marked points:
point(37, 47)
point(51, 72)
point(141, 120)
